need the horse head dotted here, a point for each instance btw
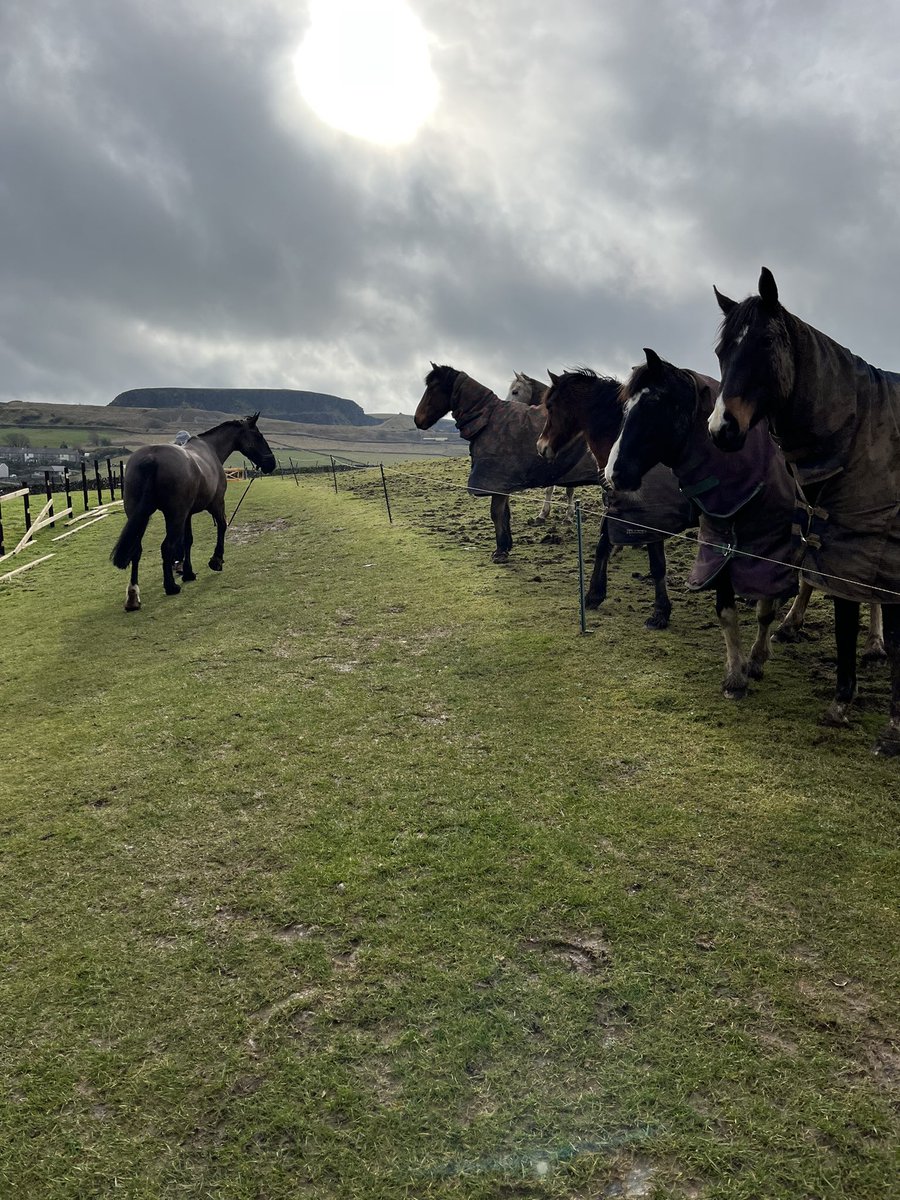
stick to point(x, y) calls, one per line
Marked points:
point(437, 399)
point(526, 390)
point(659, 402)
point(254, 446)
point(580, 402)
point(754, 352)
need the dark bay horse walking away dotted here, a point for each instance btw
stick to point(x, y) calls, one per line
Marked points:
point(181, 481)
point(583, 402)
point(501, 441)
point(525, 389)
point(837, 420)
point(746, 501)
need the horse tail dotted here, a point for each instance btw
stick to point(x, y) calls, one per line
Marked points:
point(140, 486)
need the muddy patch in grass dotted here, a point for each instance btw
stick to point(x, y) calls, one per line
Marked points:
point(249, 531)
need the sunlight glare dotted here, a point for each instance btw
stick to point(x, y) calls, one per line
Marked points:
point(364, 68)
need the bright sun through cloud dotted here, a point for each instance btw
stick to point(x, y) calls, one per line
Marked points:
point(364, 68)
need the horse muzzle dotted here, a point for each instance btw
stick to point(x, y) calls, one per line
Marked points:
point(728, 429)
point(545, 450)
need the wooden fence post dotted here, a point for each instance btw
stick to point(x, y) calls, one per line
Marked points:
point(84, 485)
point(49, 491)
point(97, 478)
point(27, 511)
point(109, 476)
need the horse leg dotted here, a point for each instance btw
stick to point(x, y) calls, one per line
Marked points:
point(846, 633)
point(790, 627)
point(570, 504)
point(169, 549)
point(545, 507)
point(734, 686)
point(597, 587)
point(502, 528)
point(133, 592)
point(188, 575)
point(888, 741)
point(760, 651)
point(874, 648)
point(662, 605)
point(218, 515)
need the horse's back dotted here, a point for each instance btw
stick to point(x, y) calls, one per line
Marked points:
point(181, 478)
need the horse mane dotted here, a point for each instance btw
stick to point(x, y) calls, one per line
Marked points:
point(222, 425)
point(442, 374)
point(641, 374)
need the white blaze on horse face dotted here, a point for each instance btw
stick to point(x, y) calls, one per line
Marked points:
point(716, 420)
point(740, 337)
point(614, 453)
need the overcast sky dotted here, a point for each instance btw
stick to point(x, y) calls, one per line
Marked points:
point(174, 214)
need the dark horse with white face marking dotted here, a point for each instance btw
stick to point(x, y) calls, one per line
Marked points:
point(583, 402)
point(746, 501)
point(181, 481)
point(838, 421)
point(501, 441)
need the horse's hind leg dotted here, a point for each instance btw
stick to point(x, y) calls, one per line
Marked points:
point(760, 651)
point(734, 686)
point(888, 742)
point(790, 628)
point(662, 605)
point(570, 504)
point(502, 528)
point(874, 649)
point(169, 549)
point(133, 592)
point(188, 575)
point(545, 507)
point(218, 555)
point(846, 633)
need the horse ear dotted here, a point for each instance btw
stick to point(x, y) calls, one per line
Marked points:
point(251, 420)
point(433, 365)
point(654, 362)
point(554, 379)
point(768, 289)
point(725, 303)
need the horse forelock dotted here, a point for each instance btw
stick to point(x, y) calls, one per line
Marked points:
point(442, 374)
point(743, 314)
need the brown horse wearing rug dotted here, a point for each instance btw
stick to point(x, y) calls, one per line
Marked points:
point(181, 481)
point(525, 389)
point(746, 501)
point(837, 419)
point(584, 403)
point(501, 441)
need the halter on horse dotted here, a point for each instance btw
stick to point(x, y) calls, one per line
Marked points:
point(181, 481)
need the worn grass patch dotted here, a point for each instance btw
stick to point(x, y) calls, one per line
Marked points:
point(356, 872)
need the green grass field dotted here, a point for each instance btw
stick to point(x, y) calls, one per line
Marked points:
point(356, 871)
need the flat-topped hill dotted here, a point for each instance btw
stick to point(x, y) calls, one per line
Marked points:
point(285, 404)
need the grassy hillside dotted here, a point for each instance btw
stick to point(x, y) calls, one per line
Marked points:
point(356, 871)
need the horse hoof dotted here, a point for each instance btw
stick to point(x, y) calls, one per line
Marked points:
point(887, 744)
point(132, 605)
point(215, 564)
point(873, 657)
point(188, 577)
point(755, 670)
point(540, 520)
point(657, 621)
point(173, 590)
point(786, 634)
point(499, 556)
point(835, 716)
point(735, 693)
